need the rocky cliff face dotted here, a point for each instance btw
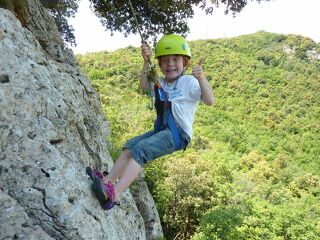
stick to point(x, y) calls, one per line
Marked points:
point(51, 128)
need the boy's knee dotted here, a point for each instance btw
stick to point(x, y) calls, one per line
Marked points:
point(140, 154)
point(126, 153)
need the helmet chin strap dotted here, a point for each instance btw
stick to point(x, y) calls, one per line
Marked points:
point(181, 74)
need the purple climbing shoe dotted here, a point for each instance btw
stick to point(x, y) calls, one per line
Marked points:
point(91, 172)
point(103, 191)
point(107, 205)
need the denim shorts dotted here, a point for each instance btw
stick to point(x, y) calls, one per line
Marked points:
point(151, 145)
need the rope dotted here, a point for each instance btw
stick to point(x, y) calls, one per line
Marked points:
point(136, 20)
point(150, 106)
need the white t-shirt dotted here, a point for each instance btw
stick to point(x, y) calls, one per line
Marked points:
point(185, 95)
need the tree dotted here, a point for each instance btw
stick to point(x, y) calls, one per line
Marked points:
point(154, 16)
point(61, 10)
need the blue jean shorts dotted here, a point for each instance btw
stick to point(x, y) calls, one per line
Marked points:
point(151, 145)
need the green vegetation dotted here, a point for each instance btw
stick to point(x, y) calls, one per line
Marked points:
point(252, 170)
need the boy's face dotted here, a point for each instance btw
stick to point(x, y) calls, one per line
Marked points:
point(171, 66)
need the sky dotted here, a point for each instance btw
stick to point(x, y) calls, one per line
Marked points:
point(300, 17)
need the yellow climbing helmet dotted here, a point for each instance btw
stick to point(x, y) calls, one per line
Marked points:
point(172, 44)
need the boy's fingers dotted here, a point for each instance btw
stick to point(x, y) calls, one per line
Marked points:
point(197, 69)
point(146, 50)
point(145, 46)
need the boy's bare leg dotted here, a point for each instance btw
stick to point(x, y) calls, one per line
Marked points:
point(119, 166)
point(130, 173)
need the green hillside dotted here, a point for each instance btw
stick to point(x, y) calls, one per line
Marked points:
point(252, 171)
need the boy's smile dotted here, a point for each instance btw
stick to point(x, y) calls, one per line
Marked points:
point(171, 66)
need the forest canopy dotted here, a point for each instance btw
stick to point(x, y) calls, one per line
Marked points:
point(252, 170)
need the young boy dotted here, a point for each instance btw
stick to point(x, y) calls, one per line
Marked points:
point(177, 98)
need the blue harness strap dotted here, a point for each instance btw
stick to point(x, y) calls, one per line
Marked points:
point(164, 115)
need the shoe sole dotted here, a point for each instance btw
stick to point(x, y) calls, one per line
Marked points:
point(98, 190)
point(89, 172)
point(96, 186)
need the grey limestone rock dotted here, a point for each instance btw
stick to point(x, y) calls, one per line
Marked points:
point(51, 128)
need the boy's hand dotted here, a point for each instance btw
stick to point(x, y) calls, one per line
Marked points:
point(197, 72)
point(146, 52)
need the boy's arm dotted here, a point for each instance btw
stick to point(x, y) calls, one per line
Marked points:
point(144, 76)
point(206, 91)
point(146, 54)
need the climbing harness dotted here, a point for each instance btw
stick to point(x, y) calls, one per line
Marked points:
point(164, 115)
point(152, 73)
